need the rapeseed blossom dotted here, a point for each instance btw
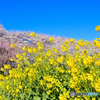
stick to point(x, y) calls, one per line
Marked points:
point(97, 28)
point(51, 39)
point(51, 74)
point(13, 45)
point(33, 34)
point(7, 66)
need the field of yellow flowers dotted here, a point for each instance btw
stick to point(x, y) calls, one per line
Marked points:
point(52, 77)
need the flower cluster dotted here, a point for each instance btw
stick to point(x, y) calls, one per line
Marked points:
point(52, 77)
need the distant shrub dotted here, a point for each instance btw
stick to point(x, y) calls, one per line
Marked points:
point(6, 52)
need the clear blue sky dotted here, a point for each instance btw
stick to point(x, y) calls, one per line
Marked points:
point(68, 18)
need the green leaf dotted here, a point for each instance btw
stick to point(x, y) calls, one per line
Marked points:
point(36, 98)
point(45, 95)
point(44, 98)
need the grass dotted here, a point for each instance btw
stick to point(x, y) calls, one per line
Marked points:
point(51, 77)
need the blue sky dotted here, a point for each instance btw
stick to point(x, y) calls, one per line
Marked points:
point(68, 18)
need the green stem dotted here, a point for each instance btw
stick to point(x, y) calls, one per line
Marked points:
point(89, 50)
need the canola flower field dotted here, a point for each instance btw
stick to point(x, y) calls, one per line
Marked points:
point(45, 79)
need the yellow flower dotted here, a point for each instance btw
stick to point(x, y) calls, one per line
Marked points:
point(21, 87)
point(24, 48)
point(35, 50)
point(39, 43)
point(85, 62)
point(64, 49)
point(42, 82)
point(2, 69)
point(82, 40)
point(51, 61)
point(62, 46)
point(30, 50)
point(17, 61)
point(61, 97)
point(17, 90)
point(66, 43)
point(95, 41)
point(24, 54)
point(49, 85)
point(98, 54)
point(21, 57)
point(97, 62)
point(86, 97)
point(93, 98)
point(40, 47)
point(33, 34)
point(19, 65)
point(97, 28)
point(40, 59)
point(86, 44)
point(25, 58)
point(70, 63)
point(90, 77)
point(98, 45)
point(1, 77)
point(66, 94)
point(18, 55)
point(80, 43)
point(56, 51)
point(35, 64)
point(60, 59)
point(62, 71)
point(48, 92)
point(48, 53)
point(51, 39)
point(26, 69)
point(72, 40)
point(13, 45)
point(85, 52)
point(7, 66)
point(8, 87)
point(12, 59)
point(77, 47)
